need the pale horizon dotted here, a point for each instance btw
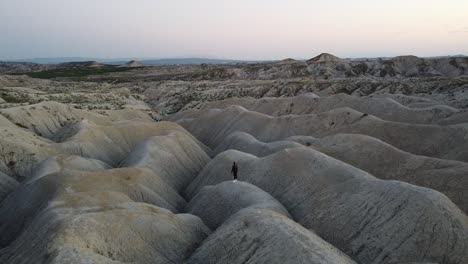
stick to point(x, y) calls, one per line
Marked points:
point(241, 30)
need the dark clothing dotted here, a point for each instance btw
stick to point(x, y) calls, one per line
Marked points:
point(234, 171)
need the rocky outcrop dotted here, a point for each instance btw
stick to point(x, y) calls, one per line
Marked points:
point(329, 66)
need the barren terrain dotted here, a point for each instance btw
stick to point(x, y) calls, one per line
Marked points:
point(340, 161)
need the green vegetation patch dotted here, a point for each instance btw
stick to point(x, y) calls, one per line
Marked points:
point(78, 72)
point(14, 98)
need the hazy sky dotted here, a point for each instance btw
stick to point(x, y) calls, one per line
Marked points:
point(239, 29)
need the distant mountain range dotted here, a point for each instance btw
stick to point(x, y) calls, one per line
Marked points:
point(322, 66)
point(120, 61)
point(173, 61)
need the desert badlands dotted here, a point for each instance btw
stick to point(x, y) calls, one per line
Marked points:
point(340, 161)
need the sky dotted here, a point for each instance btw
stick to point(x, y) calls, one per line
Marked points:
point(240, 29)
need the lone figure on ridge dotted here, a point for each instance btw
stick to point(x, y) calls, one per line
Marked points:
point(234, 170)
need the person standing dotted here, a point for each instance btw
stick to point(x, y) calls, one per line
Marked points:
point(234, 170)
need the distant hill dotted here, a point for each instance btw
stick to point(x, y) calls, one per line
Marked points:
point(193, 60)
point(180, 61)
point(56, 60)
point(120, 61)
point(329, 66)
point(133, 64)
point(325, 57)
point(324, 66)
point(79, 64)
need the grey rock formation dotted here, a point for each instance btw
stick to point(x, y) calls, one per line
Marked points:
point(373, 156)
point(128, 232)
point(328, 66)
point(21, 151)
point(213, 125)
point(73, 209)
point(264, 236)
point(371, 220)
point(176, 158)
point(108, 141)
point(66, 162)
point(47, 118)
point(7, 185)
point(384, 108)
point(111, 143)
point(75, 189)
point(389, 163)
point(247, 143)
point(340, 161)
point(215, 204)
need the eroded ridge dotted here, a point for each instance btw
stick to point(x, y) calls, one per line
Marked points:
point(80, 209)
point(371, 220)
point(322, 180)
